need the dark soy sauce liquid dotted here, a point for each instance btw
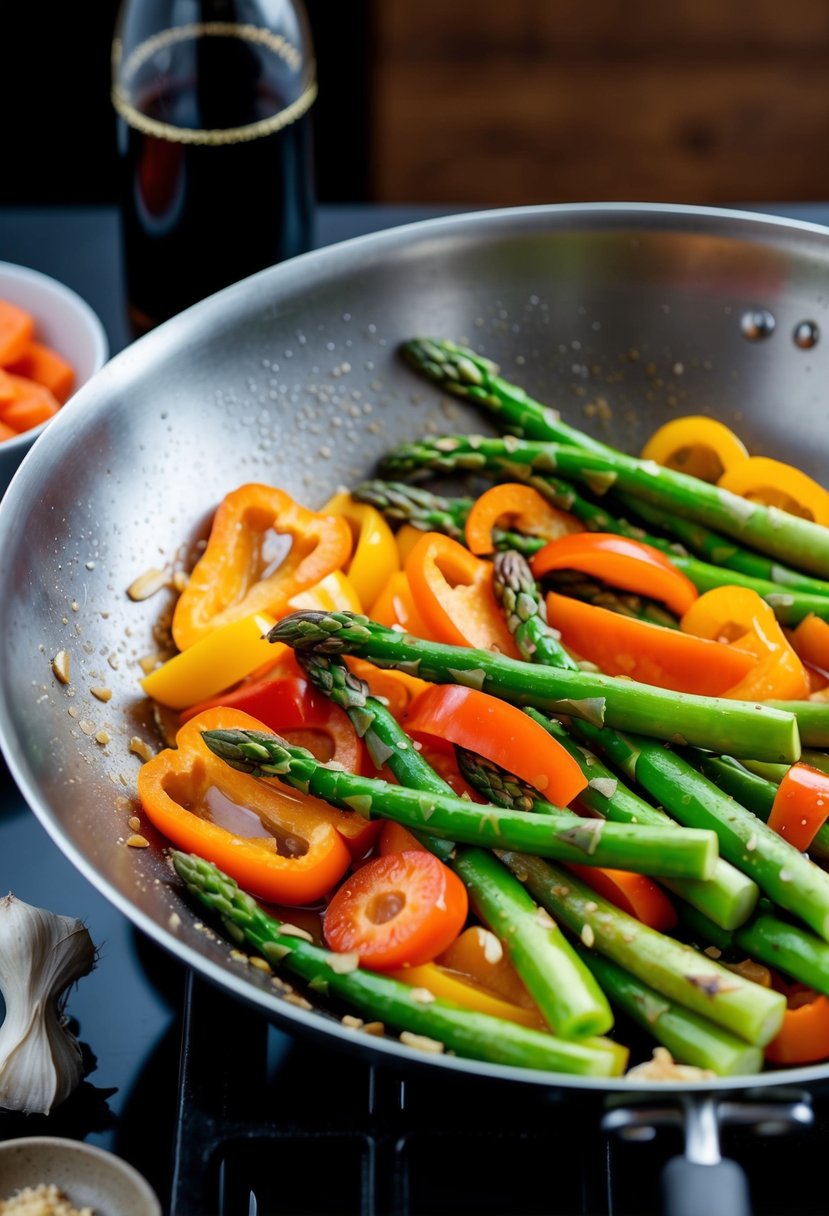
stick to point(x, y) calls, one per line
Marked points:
point(199, 215)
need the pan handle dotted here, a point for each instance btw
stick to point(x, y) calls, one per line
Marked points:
point(701, 1183)
point(691, 1189)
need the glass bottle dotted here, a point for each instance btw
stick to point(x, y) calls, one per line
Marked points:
point(213, 99)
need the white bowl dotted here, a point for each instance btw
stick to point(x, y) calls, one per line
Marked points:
point(63, 321)
point(88, 1176)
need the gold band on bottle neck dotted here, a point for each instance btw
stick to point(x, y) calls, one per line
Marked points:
point(220, 135)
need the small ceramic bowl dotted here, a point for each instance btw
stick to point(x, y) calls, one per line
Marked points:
point(89, 1176)
point(63, 321)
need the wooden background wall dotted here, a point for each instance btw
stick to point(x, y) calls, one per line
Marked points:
point(709, 101)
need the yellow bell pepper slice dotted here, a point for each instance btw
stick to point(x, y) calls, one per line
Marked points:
point(407, 537)
point(375, 557)
point(334, 593)
point(452, 986)
point(696, 445)
point(761, 479)
point(739, 616)
point(217, 661)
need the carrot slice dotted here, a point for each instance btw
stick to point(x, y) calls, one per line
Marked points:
point(29, 405)
point(47, 367)
point(17, 329)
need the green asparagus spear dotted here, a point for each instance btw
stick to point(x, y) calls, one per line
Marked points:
point(468, 375)
point(515, 590)
point(563, 989)
point(732, 727)
point(676, 970)
point(768, 529)
point(689, 1038)
point(785, 874)
point(812, 721)
point(563, 835)
point(766, 938)
point(475, 1035)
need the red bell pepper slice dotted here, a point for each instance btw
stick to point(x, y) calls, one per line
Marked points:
point(621, 562)
point(500, 732)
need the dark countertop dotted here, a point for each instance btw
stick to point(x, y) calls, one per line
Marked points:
point(127, 1008)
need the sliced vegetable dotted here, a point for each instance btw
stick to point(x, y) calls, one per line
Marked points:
point(452, 590)
point(263, 549)
point(804, 1036)
point(334, 593)
point(394, 838)
point(214, 663)
point(406, 538)
point(17, 328)
point(281, 846)
point(375, 555)
point(500, 732)
point(29, 405)
point(620, 561)
point(478, 954)
point(666, 658)
point(775, 484)
point(801, 805)
point(518, 507)
point(739, 616)
point(395, 606)
point(399, 910)
point(811, 641)
point(635, 894)
point(47, 367)
point(443, 982)
point(699, 446)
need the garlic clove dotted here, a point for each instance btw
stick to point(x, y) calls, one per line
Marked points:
point(41, 955)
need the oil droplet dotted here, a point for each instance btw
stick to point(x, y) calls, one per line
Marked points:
point(806, 334)
point(757, 323)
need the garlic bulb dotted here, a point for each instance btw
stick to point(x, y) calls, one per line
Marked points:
point(41, 955)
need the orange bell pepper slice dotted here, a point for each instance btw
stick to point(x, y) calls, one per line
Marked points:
point(621, 562)
point(517, 507)
point(478, 955)
point(699, 446)
point(452, 590)
point(666, 658)
point(400, 910)
point(740, 617)
point(635, 894)
point(280, 845)
point(406, 537)
point(775, 484)
point(263, 549)
point(394, 838)
point(395, 606)
point(502, 733)
point(811, 641)
point(804, 1036)
point(801, 805)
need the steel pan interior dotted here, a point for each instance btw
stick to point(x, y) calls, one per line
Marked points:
point(621, 316)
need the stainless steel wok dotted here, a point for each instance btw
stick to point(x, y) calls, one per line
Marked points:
point(622, 316)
